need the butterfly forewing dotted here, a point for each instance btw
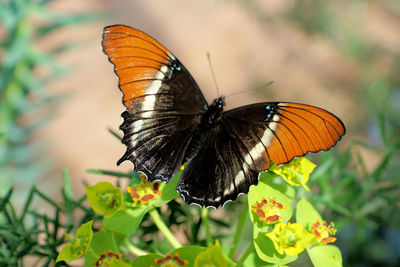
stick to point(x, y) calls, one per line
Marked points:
point(164, 104)
point(285, 130)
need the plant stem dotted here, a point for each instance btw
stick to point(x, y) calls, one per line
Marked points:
point(164, 229)
point(133, 249)
point(239, 228)
point(204, 219)
point(111, 173)
point(245, 254)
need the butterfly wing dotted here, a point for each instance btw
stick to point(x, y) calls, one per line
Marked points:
point(164, 103)
point(244, 142)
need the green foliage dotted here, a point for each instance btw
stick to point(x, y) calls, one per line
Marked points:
point(362, 199)
point(125, 221)
point(101, 241)
point(23, 97)
point(104, 198)
point(276, 240)
point(363, 202)
point(325, 256)
point(306, 214)
point(148, 209)
point(135, 227)
point(213, 256)
point(78, 245)
point(359, 187)
point(38, 234)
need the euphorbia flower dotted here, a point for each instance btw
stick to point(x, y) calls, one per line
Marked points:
point(290, 239)
point(78, 245)
point(105, 198)
point(212, 256)
point(169, 261)
point(268, 212)
point(323, 232)
point(297, 172)
point(144, 191)
point(108, 259)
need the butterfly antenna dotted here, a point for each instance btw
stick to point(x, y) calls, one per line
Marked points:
point(212, 72)
point(258, 87)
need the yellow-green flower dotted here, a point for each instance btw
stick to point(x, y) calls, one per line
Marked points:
point(110, 259)
point(324, 232)
point(105, 198)
point(170, 261)
point(268, 212)
point(290, 239)
point(183, 166)
point(77, 246)
point(144, 191)
point(212, 257)
point(296, 173)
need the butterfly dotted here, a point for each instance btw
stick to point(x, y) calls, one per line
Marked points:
point(168, 122)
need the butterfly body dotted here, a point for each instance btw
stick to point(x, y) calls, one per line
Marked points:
point(213, 113)
point(168, 122)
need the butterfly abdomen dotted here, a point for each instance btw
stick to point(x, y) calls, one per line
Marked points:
point(210, 117)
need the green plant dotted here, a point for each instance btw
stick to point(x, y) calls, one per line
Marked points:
point(34, 236)
point(24, 101)
point(359, 187)
point(276, 238)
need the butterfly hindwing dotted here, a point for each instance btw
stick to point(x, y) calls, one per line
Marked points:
point(218, 172)
point(244, 142)
point(164, 103)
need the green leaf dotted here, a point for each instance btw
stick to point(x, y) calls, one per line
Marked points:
point(168, 191)
point(213, 256)
point(101, 241)
point(269, 178)
point(253, 260)
point(114, 133)
point(189, 253)
point(79, 245)
point(117, 263)
point(126, 220)
point(266, 251)
point(306, 214)
point(322, 256)
point(67, 189)
point(146, 260)
point(113, 173)
point(104, 198)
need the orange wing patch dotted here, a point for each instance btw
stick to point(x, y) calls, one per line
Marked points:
point(301, 129)
point(137, 58)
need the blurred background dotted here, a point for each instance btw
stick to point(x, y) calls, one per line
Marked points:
point(59, 93)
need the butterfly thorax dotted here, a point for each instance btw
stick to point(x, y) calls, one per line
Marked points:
point(212, 114)
point(209, 118)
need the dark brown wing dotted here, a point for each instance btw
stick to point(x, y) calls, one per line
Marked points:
point(245, 140)
point(164, 103)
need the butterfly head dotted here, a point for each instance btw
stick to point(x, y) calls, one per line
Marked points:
point(217, 106)
point(213, 112)
point(219, 103)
